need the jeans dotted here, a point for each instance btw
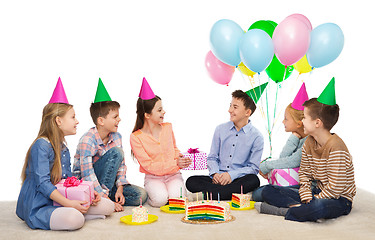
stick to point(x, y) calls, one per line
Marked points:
point(106, 172)
point(257, 193)
point(312, 211)
point(204, 184)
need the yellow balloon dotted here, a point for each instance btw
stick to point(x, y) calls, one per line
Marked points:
point(303, 66)
point(245, 70)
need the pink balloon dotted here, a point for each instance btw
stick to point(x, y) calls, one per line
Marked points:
point(291, 40)
point(219, 72)
point(303, 19)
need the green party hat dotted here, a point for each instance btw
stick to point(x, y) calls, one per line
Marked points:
point(101, 93)
point(256, 92)
point(328, 95)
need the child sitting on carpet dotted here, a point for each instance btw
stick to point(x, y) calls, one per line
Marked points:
point(325, 160)
point(154, 146)
point(290, 156)
point(99, 157)
point(236, 151)
point(47, 162)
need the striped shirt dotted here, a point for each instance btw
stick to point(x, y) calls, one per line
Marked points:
point(331, 166)
point(90, 148)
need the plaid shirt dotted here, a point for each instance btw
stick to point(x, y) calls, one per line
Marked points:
point(90, 148)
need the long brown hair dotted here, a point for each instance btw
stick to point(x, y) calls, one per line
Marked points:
point(144, 106)
point(50, 130)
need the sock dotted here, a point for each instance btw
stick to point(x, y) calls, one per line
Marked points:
point(94, 216)
point(266, 208)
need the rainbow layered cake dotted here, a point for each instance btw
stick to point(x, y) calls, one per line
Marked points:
point(140, 214)
point(177, 204)
point(240, 200)
point(207, 210)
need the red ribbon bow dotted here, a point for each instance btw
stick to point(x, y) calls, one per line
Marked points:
point(72, 182)
point(193, 150)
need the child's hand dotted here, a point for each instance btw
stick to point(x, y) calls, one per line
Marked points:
point(183, 162)
point(118, 207)
point(215, 178)
point(79, 205)
point(225, 178)
point(119, 196)
point(97, 198)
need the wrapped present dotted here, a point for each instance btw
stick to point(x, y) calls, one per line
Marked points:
point(75, 189)
point(284, 177)
point(199, 159)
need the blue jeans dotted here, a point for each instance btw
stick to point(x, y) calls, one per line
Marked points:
point(257, 193)
point(312, 211)
point(106, 172)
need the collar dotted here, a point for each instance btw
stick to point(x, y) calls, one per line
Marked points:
point(99, 139)
point(245, 128)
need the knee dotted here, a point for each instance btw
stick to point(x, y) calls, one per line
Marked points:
point(158, 200)
point(108, 206)
point(191, 181)
point(117, 153)
point(76, 220)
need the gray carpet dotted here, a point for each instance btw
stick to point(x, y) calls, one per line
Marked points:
point(359, 224)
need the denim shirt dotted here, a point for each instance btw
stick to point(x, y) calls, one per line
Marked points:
point(34, 205)
point(237, 152)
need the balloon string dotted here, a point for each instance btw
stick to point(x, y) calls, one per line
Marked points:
point(275, 107)
point(268, 122)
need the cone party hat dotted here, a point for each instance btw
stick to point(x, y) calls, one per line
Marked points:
point(58, 95)
point(300, 98)
point(256, 92)
point(101, 93)
point(328, 95)
point(146, 92)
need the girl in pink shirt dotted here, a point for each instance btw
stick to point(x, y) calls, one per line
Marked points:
point(154, 146)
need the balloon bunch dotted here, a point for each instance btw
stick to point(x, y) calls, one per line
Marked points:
point(276, 48)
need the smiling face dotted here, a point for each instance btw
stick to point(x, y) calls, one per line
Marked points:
point(309, 124)
point(157, 113)
point(68, 123)
point(239, 115)
point(111, 121)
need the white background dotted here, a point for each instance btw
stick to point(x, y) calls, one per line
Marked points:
point(165, 41)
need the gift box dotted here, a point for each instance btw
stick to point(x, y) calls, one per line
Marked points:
point(198, 158)
point(74, 189)
point(284, 177)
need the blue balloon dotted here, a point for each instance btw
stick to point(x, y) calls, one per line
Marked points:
point(256, 50)
point(225, 38)
point(327, 42)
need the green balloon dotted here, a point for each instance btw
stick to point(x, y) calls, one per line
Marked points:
point(267, 26)
point(276, 70)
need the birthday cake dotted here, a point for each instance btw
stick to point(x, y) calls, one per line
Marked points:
point(140, 214)
point(177, 204)
point(207, 210)
point(240, 200)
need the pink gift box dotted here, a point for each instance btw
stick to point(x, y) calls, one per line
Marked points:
point(284, 177)
point(83, 192)
point(199, 159)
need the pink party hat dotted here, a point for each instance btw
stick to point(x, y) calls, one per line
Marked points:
point(59, 95)
point(300, 98)
point(146, 92)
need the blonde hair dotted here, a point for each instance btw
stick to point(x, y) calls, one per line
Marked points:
point(50, 130)
point(297, 115)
